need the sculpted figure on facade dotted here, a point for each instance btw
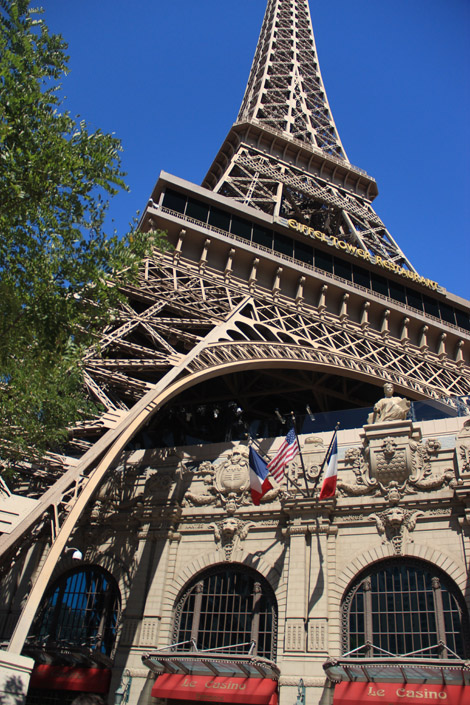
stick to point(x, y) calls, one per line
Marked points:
point(389, 408)
point(395, 465)
point(463, 449)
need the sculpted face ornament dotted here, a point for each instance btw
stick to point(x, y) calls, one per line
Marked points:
point(229, 527)
point(230, 532)
point(395, 524)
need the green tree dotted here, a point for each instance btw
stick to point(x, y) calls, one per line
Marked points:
point(57, 263)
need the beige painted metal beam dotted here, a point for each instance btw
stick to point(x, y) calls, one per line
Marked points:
point(136, 418)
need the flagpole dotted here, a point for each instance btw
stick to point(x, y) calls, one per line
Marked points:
point(326, 455)
point(294, 425)
point(253, 440)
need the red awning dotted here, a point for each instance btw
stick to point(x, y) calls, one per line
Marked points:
point(400, 693)
point(216, 689)
point(87, 680)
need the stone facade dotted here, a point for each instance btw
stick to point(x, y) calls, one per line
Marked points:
point(163, 518)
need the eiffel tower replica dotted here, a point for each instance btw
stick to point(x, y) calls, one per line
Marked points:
point(282, 290)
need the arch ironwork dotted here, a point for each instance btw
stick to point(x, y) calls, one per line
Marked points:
point(404, 605)
point(227, 606)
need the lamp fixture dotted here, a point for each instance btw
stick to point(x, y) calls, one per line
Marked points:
point(121, 695)
point(300, 693)
point(77, 555)
point(310, 413)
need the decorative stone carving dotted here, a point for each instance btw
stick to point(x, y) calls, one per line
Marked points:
point(230, 531)
point(463, 450)
point(314, 454)
point(363, 484)
point(232, 474)
point(317, 634)
point(210, 495)
point(393, 523)
point(393, 461)
point(389, 408)
point(295, 635)
point(226, 484)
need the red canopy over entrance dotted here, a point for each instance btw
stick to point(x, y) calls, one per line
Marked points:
point(216, 689)
point(87, 680)
point(400, 693)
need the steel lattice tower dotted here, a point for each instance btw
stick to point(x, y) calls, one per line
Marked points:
point(284, 155)
point(280, 266)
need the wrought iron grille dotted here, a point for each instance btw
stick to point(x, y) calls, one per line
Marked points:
point(80, 609)
point(402, 607)
point(228, 607)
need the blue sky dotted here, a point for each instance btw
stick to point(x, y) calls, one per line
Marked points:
point(168, 79)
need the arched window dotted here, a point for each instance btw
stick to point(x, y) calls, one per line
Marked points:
point(228, 606)
point(404, 606)
point(81, 608)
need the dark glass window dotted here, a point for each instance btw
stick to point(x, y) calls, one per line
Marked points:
point(197, 210)
point(431, 306)
point(219, 219)
point(379, 284)
point(343, 269)
point(174, 201)
point(284, 244)
point(447, 313)
point(414, 299)
point(303, 252)
point(397, 292)
point(361, 276)
point(262, 236)
point(226, 607)
point(241, 227)
point(462, 318)
point(403, 607)
point(80, 609)
point(324, 261)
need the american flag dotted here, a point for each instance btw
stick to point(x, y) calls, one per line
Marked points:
point(284, 455)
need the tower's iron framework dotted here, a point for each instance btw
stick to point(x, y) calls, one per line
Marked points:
point(221, 302)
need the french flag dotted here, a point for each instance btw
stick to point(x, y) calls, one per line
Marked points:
point(328, 487)
point(259, 482)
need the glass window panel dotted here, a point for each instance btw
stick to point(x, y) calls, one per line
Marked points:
point(462, 318)
point(81, 611)
point(397, 292)
point(361, 276)
point(343, 269)
point(226, 612)
point(323, 260)
point(303, 252)
point(283, 244)
point(447, 312)
point(262, 236)
point(197, 210)
point(174, 201)
point(241, 227)
point(403, 616)
point(414, 299)
point(431, 306)
point(219, 219)
point(379, 284)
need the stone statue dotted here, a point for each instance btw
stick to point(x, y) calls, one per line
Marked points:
point(389, 408)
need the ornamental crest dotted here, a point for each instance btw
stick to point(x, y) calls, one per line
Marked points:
point(225, 484)
point(232, 475)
